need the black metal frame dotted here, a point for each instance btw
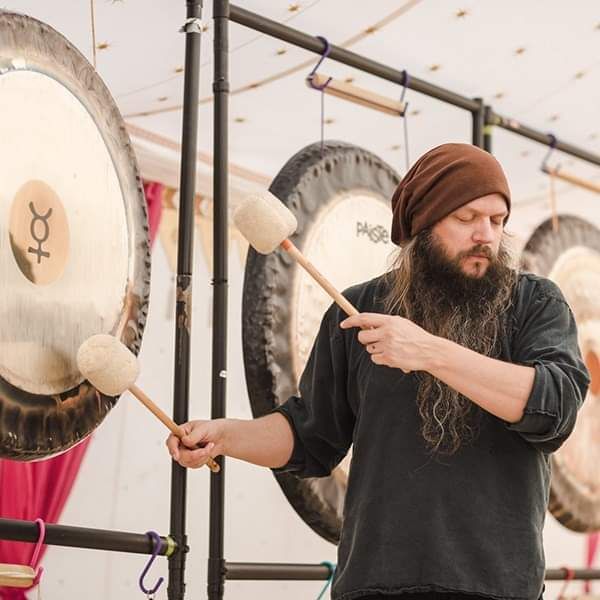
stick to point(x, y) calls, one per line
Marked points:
point(175, 545)
point(216, 562)
point(185, 258)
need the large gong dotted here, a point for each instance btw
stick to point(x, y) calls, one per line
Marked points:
point(341, 198)
point(571, 258)
point(74, 252)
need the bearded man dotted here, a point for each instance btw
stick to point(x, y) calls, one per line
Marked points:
point(455, 382)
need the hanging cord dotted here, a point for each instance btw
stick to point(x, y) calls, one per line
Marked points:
point(331, 568)
point(92, 11)
point(569, 575)
point(551, 172)
point(322, 121)
point(310, 78)
point(553, 203)
point(592, 547)
point(404, 115)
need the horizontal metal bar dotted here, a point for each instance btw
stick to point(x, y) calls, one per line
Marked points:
point(541, 137)
point(276, 571)
point(314, 44)
point(101, 539)
point(82, 537)
point(308, 572)
point(581, 574)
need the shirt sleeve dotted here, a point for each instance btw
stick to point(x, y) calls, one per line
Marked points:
point(547, 341)
point(321, 417)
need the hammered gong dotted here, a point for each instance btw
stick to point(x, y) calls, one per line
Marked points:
point(341, 199)
point(74, 250)
point(571, 258)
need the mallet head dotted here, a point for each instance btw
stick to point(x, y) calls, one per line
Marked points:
point(107, 364)
point(264, 221)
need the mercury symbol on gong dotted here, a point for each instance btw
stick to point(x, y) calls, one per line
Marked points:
point(34, 231)
point(39, 232)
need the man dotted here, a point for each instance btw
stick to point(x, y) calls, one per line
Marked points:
point(454, 383)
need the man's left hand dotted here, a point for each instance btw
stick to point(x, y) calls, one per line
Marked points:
point(394, 341)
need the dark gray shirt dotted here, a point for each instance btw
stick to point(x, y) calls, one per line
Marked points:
point(471, 522)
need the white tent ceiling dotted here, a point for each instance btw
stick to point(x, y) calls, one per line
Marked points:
point(535, 61)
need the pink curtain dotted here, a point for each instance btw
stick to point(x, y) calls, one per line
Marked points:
point(31, 490)
point(34, 490)
point(154, 193)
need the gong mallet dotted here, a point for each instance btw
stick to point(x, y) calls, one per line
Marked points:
point(267, 223)
point(112, 369)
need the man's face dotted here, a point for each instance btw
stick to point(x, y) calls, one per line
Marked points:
point(470, 236)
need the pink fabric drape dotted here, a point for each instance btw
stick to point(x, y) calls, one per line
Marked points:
point(154, 192)
point(34, 490)
point(40, 489)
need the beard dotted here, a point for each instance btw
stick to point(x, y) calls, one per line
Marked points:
point(468, 310)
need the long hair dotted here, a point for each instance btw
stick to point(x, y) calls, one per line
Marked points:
point(423, 285)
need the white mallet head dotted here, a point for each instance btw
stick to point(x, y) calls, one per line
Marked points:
point(107, 364)
point(264, 221)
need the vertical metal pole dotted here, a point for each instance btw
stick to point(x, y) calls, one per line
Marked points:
point(216, 561)
point(183, 314)
point(488, 129)
point(478, 123)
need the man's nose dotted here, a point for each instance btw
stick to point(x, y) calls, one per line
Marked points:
point(484, 233)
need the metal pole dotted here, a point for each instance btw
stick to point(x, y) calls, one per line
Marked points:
point(183, 313)
point(216, 561)
point(83, 537)
point(276, 571)
point(488, 129)
point(543, 138)
point(314, 44)
point(478, 123)
point(309, 572)
point(583, 574)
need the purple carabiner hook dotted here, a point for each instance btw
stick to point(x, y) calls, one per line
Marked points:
point(157, 546)
point(552, 146)
point(324, 55)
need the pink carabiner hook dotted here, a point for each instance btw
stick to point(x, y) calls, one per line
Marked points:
point(37, 550)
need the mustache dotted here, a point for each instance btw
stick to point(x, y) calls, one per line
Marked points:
point(477, 250)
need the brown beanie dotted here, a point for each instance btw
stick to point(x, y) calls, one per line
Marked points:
point(442, 180)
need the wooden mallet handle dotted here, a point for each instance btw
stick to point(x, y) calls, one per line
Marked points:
point(341, 301)
point(588, 185)
point(162, 416)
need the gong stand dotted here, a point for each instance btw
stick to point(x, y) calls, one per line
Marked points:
point(183, 312)
point(484, 118)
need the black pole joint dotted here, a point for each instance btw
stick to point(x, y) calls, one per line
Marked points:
point(221, 86)
point(176, 586)
point(216, 577)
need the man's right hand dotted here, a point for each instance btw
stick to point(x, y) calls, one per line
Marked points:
point(203, 440)
point(267, 441)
